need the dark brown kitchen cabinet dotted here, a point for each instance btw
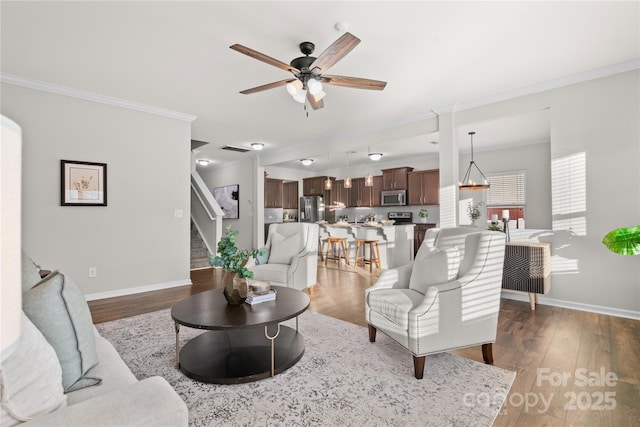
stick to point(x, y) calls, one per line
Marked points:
point(272, 193)
point(395, 179)
point(376, 190)
point(314, 186)
point(424, 187)
point(362, 196)
point(290, 195)
point(418, 235)
point(339, 193)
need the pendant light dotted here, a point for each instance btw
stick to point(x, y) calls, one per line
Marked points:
point(467, 182)
point(347, 180)
point(327, 182)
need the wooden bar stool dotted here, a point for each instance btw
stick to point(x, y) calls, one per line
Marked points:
point(374, 257)
point(339, 243)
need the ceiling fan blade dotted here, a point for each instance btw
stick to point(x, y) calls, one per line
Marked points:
point(315, 104)
point(264, 58)
point(335, 52)
point(354, 82)
point(266, 87)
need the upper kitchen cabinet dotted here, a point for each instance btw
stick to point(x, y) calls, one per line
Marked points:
point(395, 179)
point(272, 193)
point(376, 199)
point(424, 187)
point(290, 195)
point(339, 194)
point(362, 196)
point(314, 186)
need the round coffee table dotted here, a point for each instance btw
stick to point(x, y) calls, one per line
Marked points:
point(245, 342)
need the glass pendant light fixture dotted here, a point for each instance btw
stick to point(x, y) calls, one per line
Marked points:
point(468, 183)
point(347, 180)
point(327, 182)
point(368, 180)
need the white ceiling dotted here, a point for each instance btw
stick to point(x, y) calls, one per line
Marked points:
point(434, 55)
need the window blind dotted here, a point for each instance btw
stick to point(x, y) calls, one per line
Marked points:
point(506, 189)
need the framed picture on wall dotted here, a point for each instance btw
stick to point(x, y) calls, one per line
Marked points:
point(228, 197)
point(83, 183)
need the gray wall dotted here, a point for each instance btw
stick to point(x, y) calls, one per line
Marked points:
point(133, 242)
point(599, 120)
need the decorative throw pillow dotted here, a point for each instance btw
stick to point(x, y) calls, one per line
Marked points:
point(263, 256)
point(30, 273)
point(283, 248)
point(30, 379)
point(432, 268)
point(58, 309)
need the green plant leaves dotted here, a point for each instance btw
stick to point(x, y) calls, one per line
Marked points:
point(230, 257)
point(624, 241)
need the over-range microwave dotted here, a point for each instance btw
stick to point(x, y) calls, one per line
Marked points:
point(394, 198)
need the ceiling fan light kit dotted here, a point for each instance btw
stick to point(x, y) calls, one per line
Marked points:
point(308, 71)
point(257, 146)
point(468, 183)
point(306, 162)
point(203, 162)
point(375, 156)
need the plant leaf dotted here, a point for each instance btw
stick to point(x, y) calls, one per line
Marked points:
point(624, 241)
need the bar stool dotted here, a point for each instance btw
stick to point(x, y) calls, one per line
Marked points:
point(374, 257)
point(339, 243)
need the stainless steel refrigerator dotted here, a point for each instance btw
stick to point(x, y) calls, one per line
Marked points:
point(311, 209)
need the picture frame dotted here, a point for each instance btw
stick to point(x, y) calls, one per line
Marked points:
point(228, 197)
point(83, 183)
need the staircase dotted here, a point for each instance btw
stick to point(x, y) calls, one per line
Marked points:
point(199, 252)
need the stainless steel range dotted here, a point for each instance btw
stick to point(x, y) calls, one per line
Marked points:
point(401, 217)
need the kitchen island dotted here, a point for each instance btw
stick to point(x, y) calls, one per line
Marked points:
point(395, 241)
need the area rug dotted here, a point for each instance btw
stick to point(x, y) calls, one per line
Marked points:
point(342, 380)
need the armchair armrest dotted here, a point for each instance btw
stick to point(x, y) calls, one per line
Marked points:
point(150, 402)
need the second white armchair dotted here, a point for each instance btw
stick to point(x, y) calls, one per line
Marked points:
point(290, 255)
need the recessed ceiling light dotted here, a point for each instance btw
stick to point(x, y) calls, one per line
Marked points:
point(203, 162)
point(375, 156)
point(306, 162)
point(257, 146)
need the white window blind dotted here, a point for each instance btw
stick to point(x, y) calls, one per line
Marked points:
point(507, 189)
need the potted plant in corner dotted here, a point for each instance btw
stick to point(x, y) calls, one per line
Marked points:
point(233, 261)
point(423, 214)
point(624, 241)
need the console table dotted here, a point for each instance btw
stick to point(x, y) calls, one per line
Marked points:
point(527, 268)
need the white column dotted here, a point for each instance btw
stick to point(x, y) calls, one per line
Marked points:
point(449, 170)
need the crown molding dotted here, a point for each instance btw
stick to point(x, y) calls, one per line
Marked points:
point(545, 86)
point(94, 97)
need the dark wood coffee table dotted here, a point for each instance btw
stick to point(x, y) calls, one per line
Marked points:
point(241, 344)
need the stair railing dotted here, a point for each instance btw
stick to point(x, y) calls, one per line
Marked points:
point(206, 213)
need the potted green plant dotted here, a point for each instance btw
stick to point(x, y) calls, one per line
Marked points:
point(624, 241)
point(423, 214)
point(233, 261)
point(473, 211)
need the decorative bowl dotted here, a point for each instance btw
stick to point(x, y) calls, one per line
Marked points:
point(260, 288)
point(388, 221)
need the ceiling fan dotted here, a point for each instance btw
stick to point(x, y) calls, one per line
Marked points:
point(308, 71)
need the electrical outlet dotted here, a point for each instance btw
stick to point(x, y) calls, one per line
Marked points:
point(93, 271)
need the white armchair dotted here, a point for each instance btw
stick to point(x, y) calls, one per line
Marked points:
point(447, 298)
point(292, 250)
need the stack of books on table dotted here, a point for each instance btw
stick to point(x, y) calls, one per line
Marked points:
point(257, 299)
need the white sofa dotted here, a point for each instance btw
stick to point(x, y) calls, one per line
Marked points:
point(292, 250)
point(107, 394)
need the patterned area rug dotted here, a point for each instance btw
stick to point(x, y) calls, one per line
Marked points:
point(342, 380)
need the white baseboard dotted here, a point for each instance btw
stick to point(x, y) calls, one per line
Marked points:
point(138, 290)
point(618, 312)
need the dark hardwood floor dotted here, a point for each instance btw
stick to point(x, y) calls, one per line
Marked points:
point(561, 356)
